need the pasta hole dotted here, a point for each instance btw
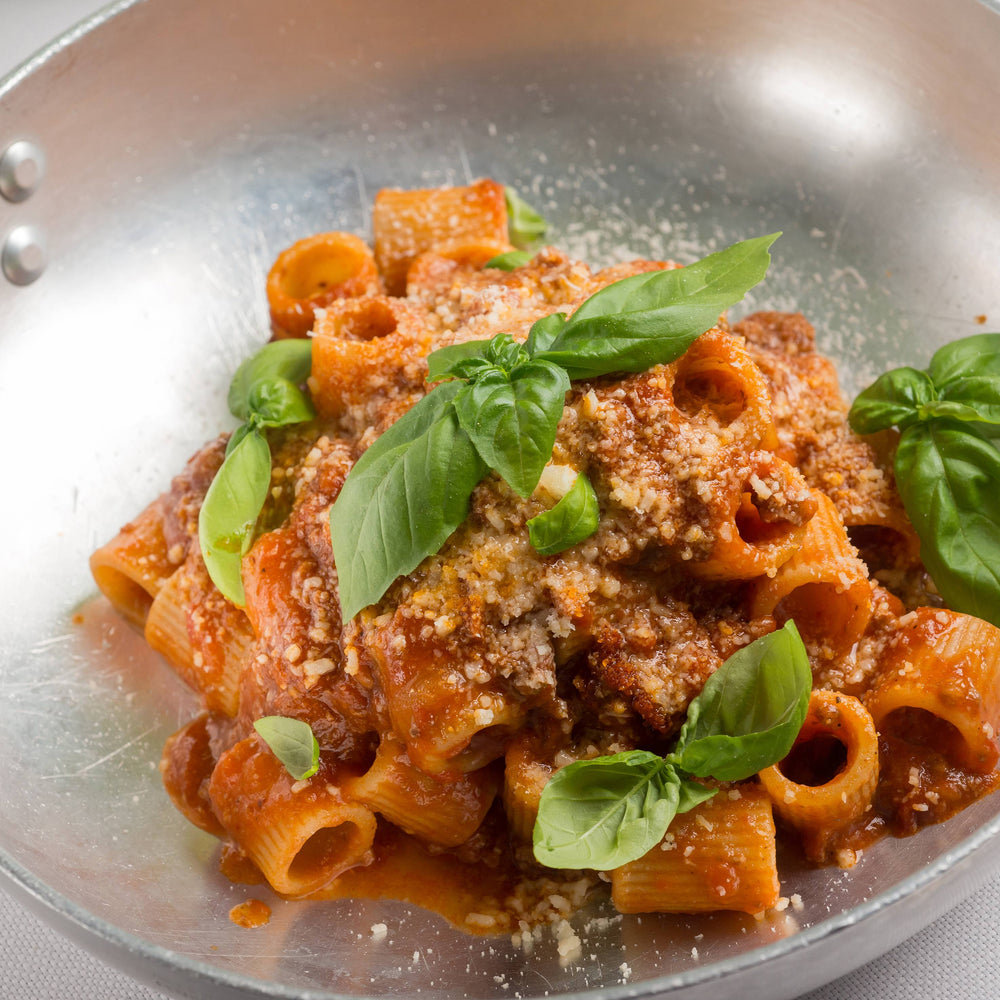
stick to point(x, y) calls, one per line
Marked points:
point(321, 852)
point(486, 745)
point(130, 599)
point(373, 319)
point(819, 611)
point(880, 547)
point(919, 727)
point(710, 386)
point(754, 529)
point(815, 760)
point(319, 268)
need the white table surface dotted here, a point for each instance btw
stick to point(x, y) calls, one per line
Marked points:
point(956, 957)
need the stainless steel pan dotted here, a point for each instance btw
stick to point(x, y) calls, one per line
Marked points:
point(186, 142)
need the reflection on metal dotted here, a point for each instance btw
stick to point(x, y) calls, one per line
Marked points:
point(24, 255)
point(22, 167)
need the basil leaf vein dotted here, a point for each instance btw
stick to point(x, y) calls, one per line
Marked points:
point(893, 398)
point(543, 333)
point(571, 520)
point(293, 742)
point(967, 356)
point(972, 398)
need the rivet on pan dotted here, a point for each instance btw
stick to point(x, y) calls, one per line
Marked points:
point(22, 167)
point(23, 257)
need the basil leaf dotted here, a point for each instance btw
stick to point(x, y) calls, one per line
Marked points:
point(653, 318)
point(475, 357)
point(948, 477)
point(893, 398)
point(512, 419)
point(230, 510)
point(402, 500)
point(749, 711)
point(946, 408)
point(571, 520)
point(286, 359)
point(237, 436)
point(969, 356)
point(445, 362)
point(293, 742)
point(509, 261)
point(524, 224)
point(543, 333)
point(505, 352)
point(274, 401)
point(974, 398)
point(474, 369)
point(692, 793)
point(604, 812)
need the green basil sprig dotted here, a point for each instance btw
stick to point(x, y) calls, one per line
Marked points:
point(895, 398)
point(411, 488)
point(510, 407)
point(947, 468)
point(276, 370)
point(293, 742)
point(524, 224)
point(264, 392)
point(607, 811)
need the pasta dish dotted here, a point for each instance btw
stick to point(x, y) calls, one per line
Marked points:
point(520, 580)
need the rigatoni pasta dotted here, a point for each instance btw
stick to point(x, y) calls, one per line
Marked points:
point(313, 273)
point(205, 637)
point(408, 223)
point(943, 667)
point(728, 497)
point(829, 779)
point(437, 811)
point(824, 586)
point(719, 856)
point(301, 835)
point(132, 567)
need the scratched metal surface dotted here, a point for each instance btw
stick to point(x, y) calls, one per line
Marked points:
point(188, 142)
